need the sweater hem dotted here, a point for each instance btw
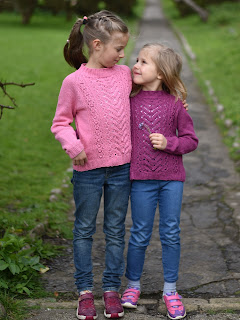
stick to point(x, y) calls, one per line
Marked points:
point(103, 163)
point(154, 176)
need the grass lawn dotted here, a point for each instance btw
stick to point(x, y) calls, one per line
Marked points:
point(32, 161)
point(217, 46)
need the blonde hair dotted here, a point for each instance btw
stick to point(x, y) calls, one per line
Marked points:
point(169, 65)
point(100, 25)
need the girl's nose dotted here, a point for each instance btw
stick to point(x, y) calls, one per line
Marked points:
point(121, 54)
point(135, 66)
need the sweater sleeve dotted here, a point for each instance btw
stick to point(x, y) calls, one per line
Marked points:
point(64, 116)
point(129, 77)
point(186, 140)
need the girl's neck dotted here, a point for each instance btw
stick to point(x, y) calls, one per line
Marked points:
point(94, 63)
point(146, 88)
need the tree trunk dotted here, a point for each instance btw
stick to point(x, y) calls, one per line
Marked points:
point(200, 11)
point(26, 9)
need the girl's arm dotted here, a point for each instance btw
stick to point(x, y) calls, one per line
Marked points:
point(63, 118)
point(186, 140)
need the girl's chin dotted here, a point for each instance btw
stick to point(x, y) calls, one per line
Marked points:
point(136, 81)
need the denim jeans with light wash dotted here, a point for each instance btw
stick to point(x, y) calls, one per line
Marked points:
point(88, 187)
point(145, 195)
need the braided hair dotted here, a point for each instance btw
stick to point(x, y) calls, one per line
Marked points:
point(100, 25)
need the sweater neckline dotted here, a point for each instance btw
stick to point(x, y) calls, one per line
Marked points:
point(101, 72)
point(151, 94)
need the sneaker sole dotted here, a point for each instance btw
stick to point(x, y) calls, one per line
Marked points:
point(113, 316)
point(86, 317)
point(178, 317)
point(129, 305)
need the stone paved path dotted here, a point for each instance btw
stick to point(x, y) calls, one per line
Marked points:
point(210, 260)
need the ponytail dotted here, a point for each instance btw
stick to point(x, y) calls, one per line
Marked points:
point(73, 49)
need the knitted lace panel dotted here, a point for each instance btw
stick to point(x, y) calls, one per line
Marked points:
point(154, 113)
point(107, 100)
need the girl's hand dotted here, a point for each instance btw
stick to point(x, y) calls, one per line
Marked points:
point(80, 159)
point(158, 141)
point(185, 104)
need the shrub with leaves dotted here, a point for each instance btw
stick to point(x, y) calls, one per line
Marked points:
point(19, 265)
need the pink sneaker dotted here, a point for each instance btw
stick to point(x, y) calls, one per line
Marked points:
point(113, 308)
point(86, 309)
point(174, 306)
point(130, 298)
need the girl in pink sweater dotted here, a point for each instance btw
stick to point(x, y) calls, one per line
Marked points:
point(162, 131)
point(96, 97)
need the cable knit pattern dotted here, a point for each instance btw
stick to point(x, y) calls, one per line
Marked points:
point(159, 112)
point(98, 100)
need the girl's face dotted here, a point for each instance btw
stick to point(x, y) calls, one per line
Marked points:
point(145, 71)
point(113, 51)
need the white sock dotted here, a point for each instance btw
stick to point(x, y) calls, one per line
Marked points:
point(169, 287)
point(134, 284)
point(84, 291)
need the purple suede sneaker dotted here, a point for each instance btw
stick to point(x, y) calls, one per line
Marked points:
point(113, 308)
point(86, 309)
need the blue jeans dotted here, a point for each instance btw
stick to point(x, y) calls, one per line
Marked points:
point(87, 189)
point(145, 195)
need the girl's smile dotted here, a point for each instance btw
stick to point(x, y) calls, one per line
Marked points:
point(145, 72)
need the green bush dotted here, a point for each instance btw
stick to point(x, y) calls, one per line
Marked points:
point(224, 16)
point(185, 10)
point(19, 264)
point(121, 7)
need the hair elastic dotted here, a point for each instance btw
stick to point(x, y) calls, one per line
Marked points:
point(85, 19)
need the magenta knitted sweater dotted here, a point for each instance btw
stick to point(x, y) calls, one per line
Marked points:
point(98, 101)
point(159, 112)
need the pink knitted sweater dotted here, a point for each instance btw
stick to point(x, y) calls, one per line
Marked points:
point(158, 112)
point(98, 101)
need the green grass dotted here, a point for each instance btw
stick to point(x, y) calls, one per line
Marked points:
point(32, 162)
point(15, 309)
point(216, 45)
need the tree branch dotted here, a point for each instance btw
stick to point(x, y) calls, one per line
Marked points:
point(3, 87)
point(6, 107)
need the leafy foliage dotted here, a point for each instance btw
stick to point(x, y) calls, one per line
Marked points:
point(185, 10)
point(19, 264)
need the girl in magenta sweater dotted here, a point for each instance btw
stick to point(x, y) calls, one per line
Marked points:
point(96, 97)
point(162, 131)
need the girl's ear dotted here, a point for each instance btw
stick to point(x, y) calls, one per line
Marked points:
point(159, 76)
point(96, 44)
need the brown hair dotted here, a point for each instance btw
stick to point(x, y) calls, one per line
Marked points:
point(169, 65)
point(100, 26)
